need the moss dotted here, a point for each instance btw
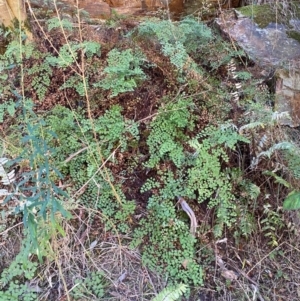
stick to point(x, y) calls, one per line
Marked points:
point(262, 15)
point(294, 35)
point(266, 14)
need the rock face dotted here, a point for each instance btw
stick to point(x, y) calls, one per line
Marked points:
point(267, 42)
point(96, 9)
point(208, 9)
point(100, 9)
point(288, 94)
point(273, 46)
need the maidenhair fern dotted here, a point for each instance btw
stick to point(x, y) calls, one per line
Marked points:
point(68, 53)
point(77, 154)
point(166, 136)
point(207, 181)
point(59, 23)
point(167, 247)
point(177, 40)
point(7, 107)
point(123, 71)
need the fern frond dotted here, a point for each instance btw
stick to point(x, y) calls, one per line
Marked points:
point(263, 141)
point(276, 116)
point(228, 125)
point(251, 126)
point(278, 146)
point(171, 293)
point(6, 178)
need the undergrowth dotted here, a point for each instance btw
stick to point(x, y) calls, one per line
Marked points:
point(75, 156)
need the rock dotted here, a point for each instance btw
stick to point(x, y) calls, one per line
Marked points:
point(208, 9)
point(96, 9)
point(145, 4)
point(266, 42)
point(272, 42)
point(287, 98)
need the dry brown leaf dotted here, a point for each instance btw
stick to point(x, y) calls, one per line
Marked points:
point(185, 263)
point(229, 274)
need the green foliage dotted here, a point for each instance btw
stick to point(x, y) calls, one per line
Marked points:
point(171, 293)
point(59, 23)
point(9, 107)
point(181, 163)
point(246, 194)
point(93, 286)
point(226, 134)
point(218, 53)
point(123, 71)
point(272, 222)
point(167, 133)
point(292, 157)
point(13, 279)
point(72, 133)
point(277, 178)
point(37, 74)
point(177, 40)
point(112, 128)
point(205, 178)
point(243, 75)
point(115, 208)
point(169, 248)
point(37, 195)
point(41, 73)
point(292, 201)
point(76, 82)
point(68, 53)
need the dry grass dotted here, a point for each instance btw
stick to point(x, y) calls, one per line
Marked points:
point(86, 248)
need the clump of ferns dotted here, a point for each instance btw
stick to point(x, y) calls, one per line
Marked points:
point(266, 138)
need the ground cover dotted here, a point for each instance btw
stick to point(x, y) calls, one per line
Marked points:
point(142, 154)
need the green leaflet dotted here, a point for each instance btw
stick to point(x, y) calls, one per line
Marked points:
point(292, 202)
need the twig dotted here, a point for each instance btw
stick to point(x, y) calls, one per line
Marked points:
point(188, 210)
point(75, 154)
point(7, 230)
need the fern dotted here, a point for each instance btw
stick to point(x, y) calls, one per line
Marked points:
point(171, 293)
point(68, 53)
point(206, 178)
point(187, 36)
point(41, 74)
point(167, 134)
point(271, 223)
point(59, 23)
point(251, 126)
point(292, 201)
point(78, 83)
point(178, 42)
point(123, 71)
point(167, 247)
point(72, 133)
point(6, 177)
point(9, 107)
point(278, 146)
